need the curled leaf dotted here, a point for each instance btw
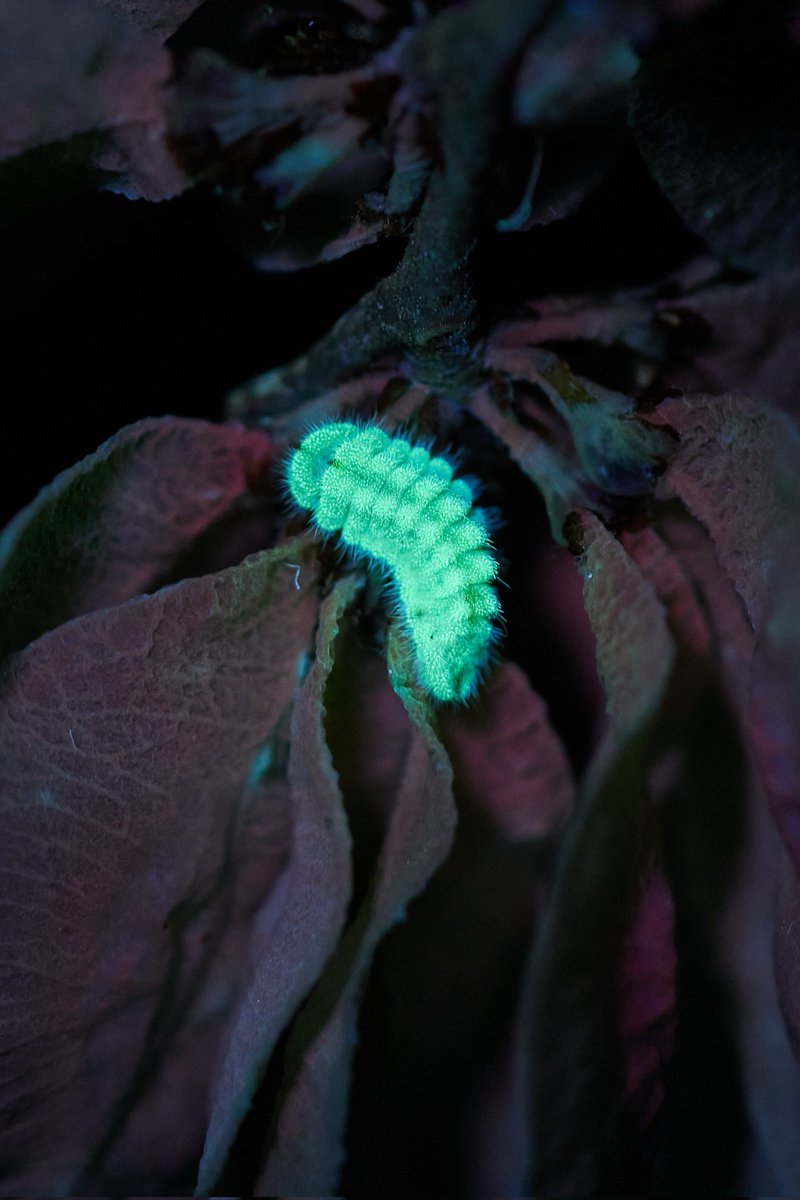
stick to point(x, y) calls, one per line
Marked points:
point(635, 650)
point(307, 1152)
point(440, 1064)
point(289, 953)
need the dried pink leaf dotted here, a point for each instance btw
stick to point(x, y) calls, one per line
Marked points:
point(506, 753)
point(140, 838)
point(751, 341)
point(68, 68)
point(724, 471)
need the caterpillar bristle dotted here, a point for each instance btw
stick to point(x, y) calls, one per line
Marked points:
point(391, 502)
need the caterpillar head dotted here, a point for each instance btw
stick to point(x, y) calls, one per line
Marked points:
point(312, 458)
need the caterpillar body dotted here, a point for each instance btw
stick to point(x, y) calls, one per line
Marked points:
point(402, 507)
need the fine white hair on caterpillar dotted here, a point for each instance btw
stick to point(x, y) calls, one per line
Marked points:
point(402, 508)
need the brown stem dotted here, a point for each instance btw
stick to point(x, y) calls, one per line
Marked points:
point(426, 309)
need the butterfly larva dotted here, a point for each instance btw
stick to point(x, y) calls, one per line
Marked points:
point(400, 506)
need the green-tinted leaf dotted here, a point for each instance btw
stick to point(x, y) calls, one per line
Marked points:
point(125, 518)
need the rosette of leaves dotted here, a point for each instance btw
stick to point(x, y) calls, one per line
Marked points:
point(233, 839)
point(222, 768)
point(272, 924)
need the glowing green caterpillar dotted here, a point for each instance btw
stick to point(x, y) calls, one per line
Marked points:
point(397, 504)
